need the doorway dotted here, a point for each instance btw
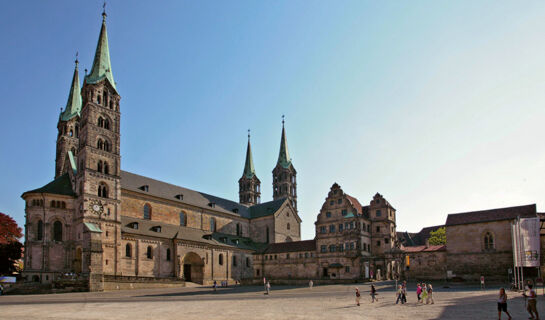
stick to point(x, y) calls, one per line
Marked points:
point(187, 272)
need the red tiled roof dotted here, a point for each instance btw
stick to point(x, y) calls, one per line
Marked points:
point(509, 213)
point(293, 246)
point(355, 203)
point(414, 249)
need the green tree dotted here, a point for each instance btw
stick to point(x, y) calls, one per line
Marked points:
point(438, 236)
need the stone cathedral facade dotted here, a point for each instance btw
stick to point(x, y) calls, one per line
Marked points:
point(108, 226)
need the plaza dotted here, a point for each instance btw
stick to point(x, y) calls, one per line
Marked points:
point(249, 302)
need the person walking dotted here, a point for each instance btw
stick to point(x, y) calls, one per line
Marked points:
point(404, 292)
point(418, 292)
point(310, 284)
point(482, 283)
point(502, 304)
point(399, 294)
point(424, 293)
point(430, 295)
point(215, 286)
point(358, 295)
point(268, 287)
point(373, 293)
point(532, 304)
point(265, 283)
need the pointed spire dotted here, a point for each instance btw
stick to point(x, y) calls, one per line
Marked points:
point(73, 105)
point(249, 171)
point(102, 67)
point(284, 156)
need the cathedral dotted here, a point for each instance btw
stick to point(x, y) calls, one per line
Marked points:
point(108, 226)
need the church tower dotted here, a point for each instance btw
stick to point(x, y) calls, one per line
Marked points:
point(249, 186)
point(68, 127)
point(98, 178)
point(284, 182)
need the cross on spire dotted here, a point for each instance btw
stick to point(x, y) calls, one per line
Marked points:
point(104, 11)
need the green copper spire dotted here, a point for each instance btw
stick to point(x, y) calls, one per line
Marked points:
point(102, 67)
point(284, 156)
point(249, 171)
point(73, 105)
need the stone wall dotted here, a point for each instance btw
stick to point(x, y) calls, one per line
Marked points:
point(426, 265)
point(292, 265)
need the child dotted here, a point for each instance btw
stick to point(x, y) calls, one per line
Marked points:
point(358, 297)
point(424, 293)
point(418, 291)
point(532, 309)
point(373, 293)
point(399, 294)
point(430, 295)
point(502, 303)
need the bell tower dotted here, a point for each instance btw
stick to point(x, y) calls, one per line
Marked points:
point(284, 174)
point(98, 179)
point(68, 127)
point(249, 186)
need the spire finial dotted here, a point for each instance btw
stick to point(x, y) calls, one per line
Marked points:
point(248, 134)
point(77, 53)
point(283, 120)
point(104, 11)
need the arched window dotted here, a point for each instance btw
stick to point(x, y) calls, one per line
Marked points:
point(63, 205)
point(106, 146)
point(77, 131)
point(149, 253)
point(40, 230)
point(103, 190)
point(168, 254)
point(213, 224)
point(105, 97)
point(99, 166)
point(183, 221)
point(239, 231)
point(106, 168)
point(128, 250)
point(106, 124)
point(57, 231)
point(488, 241)
point(52, 204)
point(147, 212)
point(100, 122)
point(247, 262)
point(288, 226)
point(100, 144)
point(220, 260)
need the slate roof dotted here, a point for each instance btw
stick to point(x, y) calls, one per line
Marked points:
point(416, 239)
point(509, 213)
point(169, 231)
point(62, 185)
point(414, 249)
point(293, 246)
point(266, 208)
point(355, 203)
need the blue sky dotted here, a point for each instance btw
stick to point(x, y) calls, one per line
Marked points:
point(436, 105)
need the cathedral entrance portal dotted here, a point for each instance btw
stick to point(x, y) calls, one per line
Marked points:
point(193, 267)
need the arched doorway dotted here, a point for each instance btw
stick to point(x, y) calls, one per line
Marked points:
point(77, 261)
point(192, 268)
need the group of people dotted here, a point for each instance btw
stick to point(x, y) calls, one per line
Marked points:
point(424, 292)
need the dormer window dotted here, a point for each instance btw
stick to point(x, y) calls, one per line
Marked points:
point(235, 210)
point(223, 239)
point(156, 229)
point(235, 241)
point(144, 188)
point(212, 204)
point(133, 225)
point(179, 196)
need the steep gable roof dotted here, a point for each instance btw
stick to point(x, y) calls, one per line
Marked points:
point(499, 214)
point(266, 208)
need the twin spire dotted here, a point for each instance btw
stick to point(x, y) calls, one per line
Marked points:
point(101, 69)
point(284, 159)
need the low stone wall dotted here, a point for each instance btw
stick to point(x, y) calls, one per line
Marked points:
point(112, 283)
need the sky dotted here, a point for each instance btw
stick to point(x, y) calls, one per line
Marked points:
point(437, 105)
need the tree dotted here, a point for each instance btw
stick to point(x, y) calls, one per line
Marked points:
point(10, 248)
point(438, 236)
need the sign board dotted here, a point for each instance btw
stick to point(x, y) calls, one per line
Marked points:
point(7, 279)
point(526, 242)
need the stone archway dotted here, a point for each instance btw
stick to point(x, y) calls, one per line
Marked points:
point(192, 268)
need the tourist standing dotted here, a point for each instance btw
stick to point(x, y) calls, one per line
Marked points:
point(482, 282)
point(424, 293)
point(418, 291)
point(502, 303)
point(373, 293)
point(430, 295)
point(268, 287)
point(358, 295)
point(399, 294)
point(215, 286)
point(532, 307)
point(264, 283)
point(404, 292)
point(310, 284)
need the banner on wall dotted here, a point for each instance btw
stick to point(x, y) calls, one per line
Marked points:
point(526, 242)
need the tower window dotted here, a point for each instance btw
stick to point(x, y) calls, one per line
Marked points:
point(106, 168)
point(57, 231)
point(100, 144)
point(103, 190)
point(40, 230)
point(99, 166)
point(288, 226)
